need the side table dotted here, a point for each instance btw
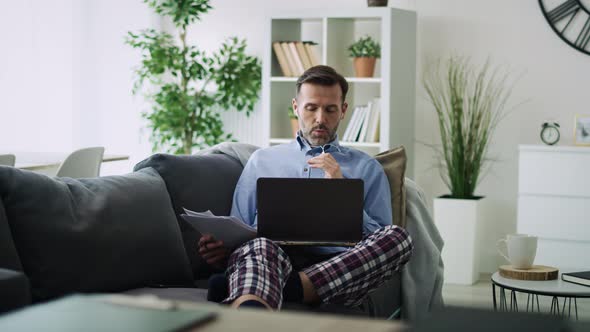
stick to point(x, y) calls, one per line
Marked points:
point(553, 288)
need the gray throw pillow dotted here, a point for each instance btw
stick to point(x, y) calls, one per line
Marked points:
point(103, 234)
point(394, 166)
point(198, 183)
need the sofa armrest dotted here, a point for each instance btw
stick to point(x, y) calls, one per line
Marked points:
point(15, 291)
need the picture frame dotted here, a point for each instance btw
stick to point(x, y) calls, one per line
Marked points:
point(582, 130)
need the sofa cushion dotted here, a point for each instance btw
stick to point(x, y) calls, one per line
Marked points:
point(198, 183)
point(93, 235)
point(394, 165)
point(14, 287)
point(8, 255)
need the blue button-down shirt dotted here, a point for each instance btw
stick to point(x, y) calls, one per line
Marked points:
point(290, 161)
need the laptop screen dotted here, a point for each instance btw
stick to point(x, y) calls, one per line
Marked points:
point(321, 210)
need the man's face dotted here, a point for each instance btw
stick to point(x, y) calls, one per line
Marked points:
point(319, 109)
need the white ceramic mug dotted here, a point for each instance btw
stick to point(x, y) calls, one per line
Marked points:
point(521, 250)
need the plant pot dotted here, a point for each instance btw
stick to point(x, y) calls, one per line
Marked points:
point(459, 224)
point(377, 3)
point(295, 126)
point(364, 67)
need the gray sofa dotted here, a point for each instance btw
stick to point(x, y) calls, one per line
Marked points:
point(123, 233)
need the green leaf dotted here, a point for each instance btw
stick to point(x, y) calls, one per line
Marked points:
point(365, 47)
point(182, 12)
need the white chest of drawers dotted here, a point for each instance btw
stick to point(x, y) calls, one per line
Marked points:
point(554, 203)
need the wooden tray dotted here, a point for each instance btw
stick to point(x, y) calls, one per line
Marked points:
point(536, 272)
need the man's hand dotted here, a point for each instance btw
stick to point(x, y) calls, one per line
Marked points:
point(213, 251)
point(326, 162)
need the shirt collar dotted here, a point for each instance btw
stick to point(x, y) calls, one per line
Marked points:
point(331, 146)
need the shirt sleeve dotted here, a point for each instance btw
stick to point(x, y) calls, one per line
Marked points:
point(244, 202)
point(377, 210)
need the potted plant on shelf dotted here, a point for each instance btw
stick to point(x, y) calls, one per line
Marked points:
point(294, 121)
point(365, 53)
point(187, 87)
point(469, 101)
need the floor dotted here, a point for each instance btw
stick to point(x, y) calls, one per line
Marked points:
point(480, 296)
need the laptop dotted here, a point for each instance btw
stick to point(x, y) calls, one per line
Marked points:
point(319, 212)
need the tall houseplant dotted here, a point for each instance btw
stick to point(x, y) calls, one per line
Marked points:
point(469, 101)
point(187, 87)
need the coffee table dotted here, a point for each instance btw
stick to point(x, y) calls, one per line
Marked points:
point(554, 288)
point(117, 312)
point(257, 320)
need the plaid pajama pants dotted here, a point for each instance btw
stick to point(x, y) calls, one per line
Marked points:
point(261, 268)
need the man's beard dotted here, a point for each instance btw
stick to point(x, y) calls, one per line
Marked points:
point(316, 140)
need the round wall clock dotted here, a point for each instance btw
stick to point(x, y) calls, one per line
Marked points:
point(570, 19)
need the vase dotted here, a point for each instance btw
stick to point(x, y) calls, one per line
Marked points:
point(364, 67)
point(459, 224)
point(377, 3)
point(294, 126)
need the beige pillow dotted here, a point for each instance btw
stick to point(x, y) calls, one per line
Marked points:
point(394, 165)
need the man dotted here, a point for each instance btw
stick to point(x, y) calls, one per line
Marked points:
point(263, 274)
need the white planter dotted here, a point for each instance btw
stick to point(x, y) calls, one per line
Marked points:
point(458, 221)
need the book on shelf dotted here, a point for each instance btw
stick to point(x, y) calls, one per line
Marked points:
point(303, 55)
point(376, 138)
point(373, 130)
point(356, 130)
point(289, 56)
point(282, 59)
point(348, 131)
point(354, 125)
point(295, 55)
point(581, 278)
point(363, 125)
point(312, 52)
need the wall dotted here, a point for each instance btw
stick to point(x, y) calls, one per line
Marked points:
point(65, 77)
point(36, 75)
point(554, 81)
point(105, 111)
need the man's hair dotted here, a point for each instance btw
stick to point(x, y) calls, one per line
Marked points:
point(323, 75)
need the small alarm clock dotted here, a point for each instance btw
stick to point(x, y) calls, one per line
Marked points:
point(550, 133)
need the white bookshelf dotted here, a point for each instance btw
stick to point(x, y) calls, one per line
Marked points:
point(334, 30)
